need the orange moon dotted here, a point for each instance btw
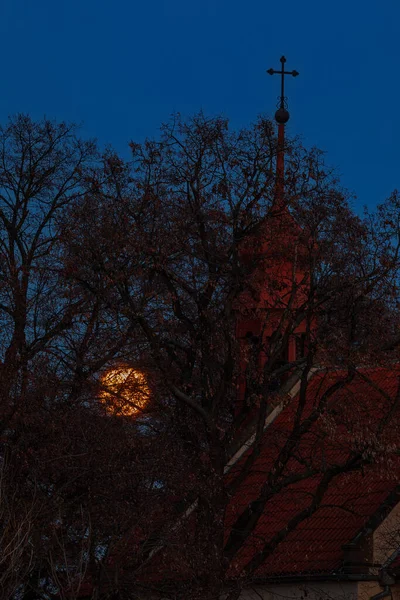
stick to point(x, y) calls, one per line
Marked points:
point(124, 391)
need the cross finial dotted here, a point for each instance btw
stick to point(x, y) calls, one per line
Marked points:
point(282, 115)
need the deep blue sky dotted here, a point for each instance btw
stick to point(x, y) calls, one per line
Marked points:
point(121, 67)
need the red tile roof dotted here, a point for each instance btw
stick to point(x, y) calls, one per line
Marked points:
point(351, 422)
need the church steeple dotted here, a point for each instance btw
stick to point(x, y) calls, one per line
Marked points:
point(281, 117)
point(276, 283)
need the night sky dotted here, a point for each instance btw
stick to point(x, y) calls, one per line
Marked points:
point(121, 67)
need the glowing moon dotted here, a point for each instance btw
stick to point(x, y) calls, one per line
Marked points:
point(124, 391)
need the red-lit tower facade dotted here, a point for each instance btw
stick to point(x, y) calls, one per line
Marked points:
point(278, 282)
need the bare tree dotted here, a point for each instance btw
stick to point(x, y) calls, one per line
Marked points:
point(147, 312)
point(69, 473)
point(194, 245)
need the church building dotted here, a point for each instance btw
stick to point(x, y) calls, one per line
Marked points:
point(306, 521)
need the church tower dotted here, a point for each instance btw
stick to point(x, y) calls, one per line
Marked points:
point(278, 282)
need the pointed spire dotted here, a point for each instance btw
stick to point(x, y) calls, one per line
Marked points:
point(281, 117)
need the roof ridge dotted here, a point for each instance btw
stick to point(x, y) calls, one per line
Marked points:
point(270, 418)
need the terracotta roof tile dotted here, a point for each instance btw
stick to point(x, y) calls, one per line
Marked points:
point(352, 498)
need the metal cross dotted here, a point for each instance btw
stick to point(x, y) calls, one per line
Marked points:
point(282, 72)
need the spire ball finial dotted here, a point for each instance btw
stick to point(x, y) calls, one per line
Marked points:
point(282, 115)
